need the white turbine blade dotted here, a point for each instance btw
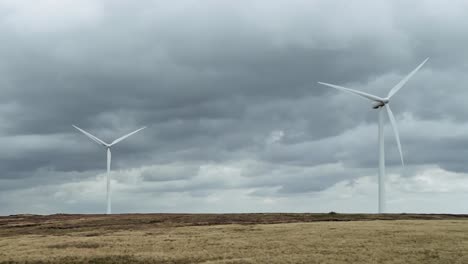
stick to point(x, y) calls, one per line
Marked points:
point(395, 131)
point(126, 136)
point(95, 139)
point(362, 94)
point(397, 87)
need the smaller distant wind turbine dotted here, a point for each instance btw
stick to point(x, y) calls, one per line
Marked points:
point(108, 146)
point(381, 103)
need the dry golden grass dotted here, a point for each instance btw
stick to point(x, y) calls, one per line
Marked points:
point(377, 241)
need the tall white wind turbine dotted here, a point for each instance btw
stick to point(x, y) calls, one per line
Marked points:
point(108, 146)
point(381, 103)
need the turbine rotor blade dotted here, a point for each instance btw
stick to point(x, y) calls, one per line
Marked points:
point(362, 94)
point(126, 136)
point(395, 131)
point(397, 87)
point(95, 139)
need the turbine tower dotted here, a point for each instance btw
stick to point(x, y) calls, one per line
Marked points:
point(380, 104)
point(108, 146)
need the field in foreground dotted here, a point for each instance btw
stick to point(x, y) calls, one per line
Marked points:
point(234, 238)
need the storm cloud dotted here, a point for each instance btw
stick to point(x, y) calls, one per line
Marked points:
point(228, 90)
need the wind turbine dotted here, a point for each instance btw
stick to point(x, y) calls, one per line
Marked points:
point(380, 103)
point(108, 146)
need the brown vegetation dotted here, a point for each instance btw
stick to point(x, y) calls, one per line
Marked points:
point(234, 238)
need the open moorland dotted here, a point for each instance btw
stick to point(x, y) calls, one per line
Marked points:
point(234, 238)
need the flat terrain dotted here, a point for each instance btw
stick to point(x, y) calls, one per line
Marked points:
point(234, 238)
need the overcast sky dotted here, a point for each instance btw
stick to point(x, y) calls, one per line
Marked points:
point(236, 121)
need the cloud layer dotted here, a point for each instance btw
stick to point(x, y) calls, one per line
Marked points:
point(228, 89)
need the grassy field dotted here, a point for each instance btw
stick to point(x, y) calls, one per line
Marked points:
point(234, 238)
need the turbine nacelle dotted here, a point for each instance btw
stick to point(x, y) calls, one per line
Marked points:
point(379, 104)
